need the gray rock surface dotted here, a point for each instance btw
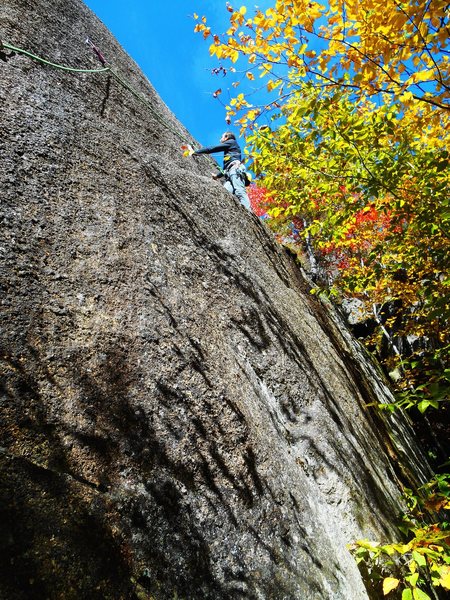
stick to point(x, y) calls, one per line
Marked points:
point(180, 417)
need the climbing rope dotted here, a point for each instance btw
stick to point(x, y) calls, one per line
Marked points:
point(104, 69)
point(144, 101)
point(46, 62)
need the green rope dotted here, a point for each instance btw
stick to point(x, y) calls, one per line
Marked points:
point(51, 64)
point(144, 101)
point(158, 117)
point(119, 79)
point(122, 81)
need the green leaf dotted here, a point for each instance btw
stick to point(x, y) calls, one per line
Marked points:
point(412, 579)
point(419, 558)
point(423, 405)
point(407, 594)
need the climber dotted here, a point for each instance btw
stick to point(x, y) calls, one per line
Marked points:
point(233, 168)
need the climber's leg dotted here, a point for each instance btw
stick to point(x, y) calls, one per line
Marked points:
point(236, 185)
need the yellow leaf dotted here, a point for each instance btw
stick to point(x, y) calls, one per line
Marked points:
point(243, 10)
point(250, 76)
point(423, 76)
point(234, 55)
point(272, 85)
point(389, 584)
point(406, 97)
point(445, 578)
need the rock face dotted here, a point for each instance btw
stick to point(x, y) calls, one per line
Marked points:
point(180, 418)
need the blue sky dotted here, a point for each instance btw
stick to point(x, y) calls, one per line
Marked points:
point(159, 36)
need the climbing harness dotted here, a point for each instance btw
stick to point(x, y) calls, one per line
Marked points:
point(240, 169)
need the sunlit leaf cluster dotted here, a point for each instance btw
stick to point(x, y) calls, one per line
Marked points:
point(371, 47)
point(373, 194)
point(421, 564)
point(351, 142)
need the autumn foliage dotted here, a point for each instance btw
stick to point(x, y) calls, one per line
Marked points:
point(351, 141)
point(346, 111)
point(259, 200)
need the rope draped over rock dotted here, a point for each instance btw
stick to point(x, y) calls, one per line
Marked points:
point(106, 69)
point(16, 50)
